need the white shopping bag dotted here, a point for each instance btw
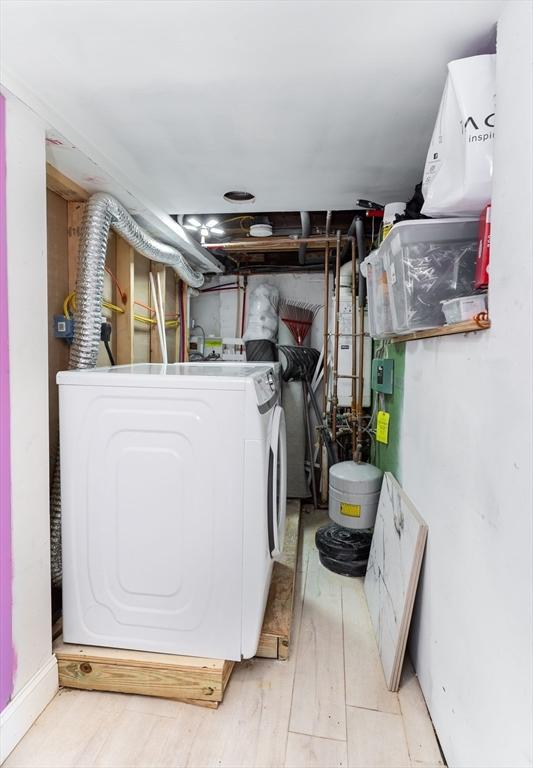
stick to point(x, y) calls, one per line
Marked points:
point(458, 171)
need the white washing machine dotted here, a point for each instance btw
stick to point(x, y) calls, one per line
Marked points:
point(173, 482)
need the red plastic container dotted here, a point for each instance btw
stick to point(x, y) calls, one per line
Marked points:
point(481, 279)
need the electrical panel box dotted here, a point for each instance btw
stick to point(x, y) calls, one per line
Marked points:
point(383, 375)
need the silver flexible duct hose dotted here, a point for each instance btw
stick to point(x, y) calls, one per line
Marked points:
point(102, 213)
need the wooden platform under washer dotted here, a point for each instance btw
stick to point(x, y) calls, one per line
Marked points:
point(186, 678)
point(276, 634)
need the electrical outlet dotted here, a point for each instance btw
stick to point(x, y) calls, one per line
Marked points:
point(63, 327)
point(383, 375)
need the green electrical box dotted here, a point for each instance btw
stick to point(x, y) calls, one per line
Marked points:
point(383, 375)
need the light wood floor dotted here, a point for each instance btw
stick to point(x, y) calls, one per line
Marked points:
point(326, 706)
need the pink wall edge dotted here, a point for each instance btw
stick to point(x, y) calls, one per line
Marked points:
point(7, 657)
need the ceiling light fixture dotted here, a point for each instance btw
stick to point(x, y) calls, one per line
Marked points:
point(236, 196)
point(206, 228)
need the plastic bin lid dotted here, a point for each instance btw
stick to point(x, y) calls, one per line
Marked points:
point(355, 478)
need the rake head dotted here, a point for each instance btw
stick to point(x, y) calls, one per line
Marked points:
point(298, 316)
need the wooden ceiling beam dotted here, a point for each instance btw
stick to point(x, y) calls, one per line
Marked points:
point(63, 186)
point(274, 244)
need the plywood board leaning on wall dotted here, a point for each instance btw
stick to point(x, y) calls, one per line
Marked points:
point(392, 574)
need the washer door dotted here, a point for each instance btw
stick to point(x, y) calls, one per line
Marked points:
point(277, 482)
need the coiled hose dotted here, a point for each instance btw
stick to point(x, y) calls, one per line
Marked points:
point(102, 213)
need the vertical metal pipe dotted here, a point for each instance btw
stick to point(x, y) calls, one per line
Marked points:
point(361, 375)
point(355, 428)
point(326, 328)
point(310, 446)
point(324, 469)
point(336, 334)
point(238, 310)
point(360, 234)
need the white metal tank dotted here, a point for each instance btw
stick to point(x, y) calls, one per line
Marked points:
point(354, 494)
point(345, 361)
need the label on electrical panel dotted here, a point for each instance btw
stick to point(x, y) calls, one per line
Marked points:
point(350, 510)
point(382, 428)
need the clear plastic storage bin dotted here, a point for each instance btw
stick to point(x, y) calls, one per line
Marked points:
point(427, 262)
point(379, 310)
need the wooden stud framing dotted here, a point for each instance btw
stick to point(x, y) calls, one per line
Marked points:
point(185, 320)
point(63, 186)
point(125, 322)
point(178, 315)
point(156, 354)
point(75, 213)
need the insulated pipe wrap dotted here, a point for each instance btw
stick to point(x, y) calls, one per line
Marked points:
point(102, 213)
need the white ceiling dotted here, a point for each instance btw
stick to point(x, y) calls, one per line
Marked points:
point(309, 105)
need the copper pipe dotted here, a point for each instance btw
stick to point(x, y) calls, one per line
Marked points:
point(361, 382)
point(334, 398)
point(326, 328)
point(324, 453)
point(355, 428)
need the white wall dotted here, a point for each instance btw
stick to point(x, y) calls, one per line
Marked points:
point(466, 463)
point(28, 360)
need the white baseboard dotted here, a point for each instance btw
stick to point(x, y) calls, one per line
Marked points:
point(22, 711)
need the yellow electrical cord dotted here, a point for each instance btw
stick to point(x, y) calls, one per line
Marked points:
point(71, 299)
point(152, 321)
point(113, 307)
